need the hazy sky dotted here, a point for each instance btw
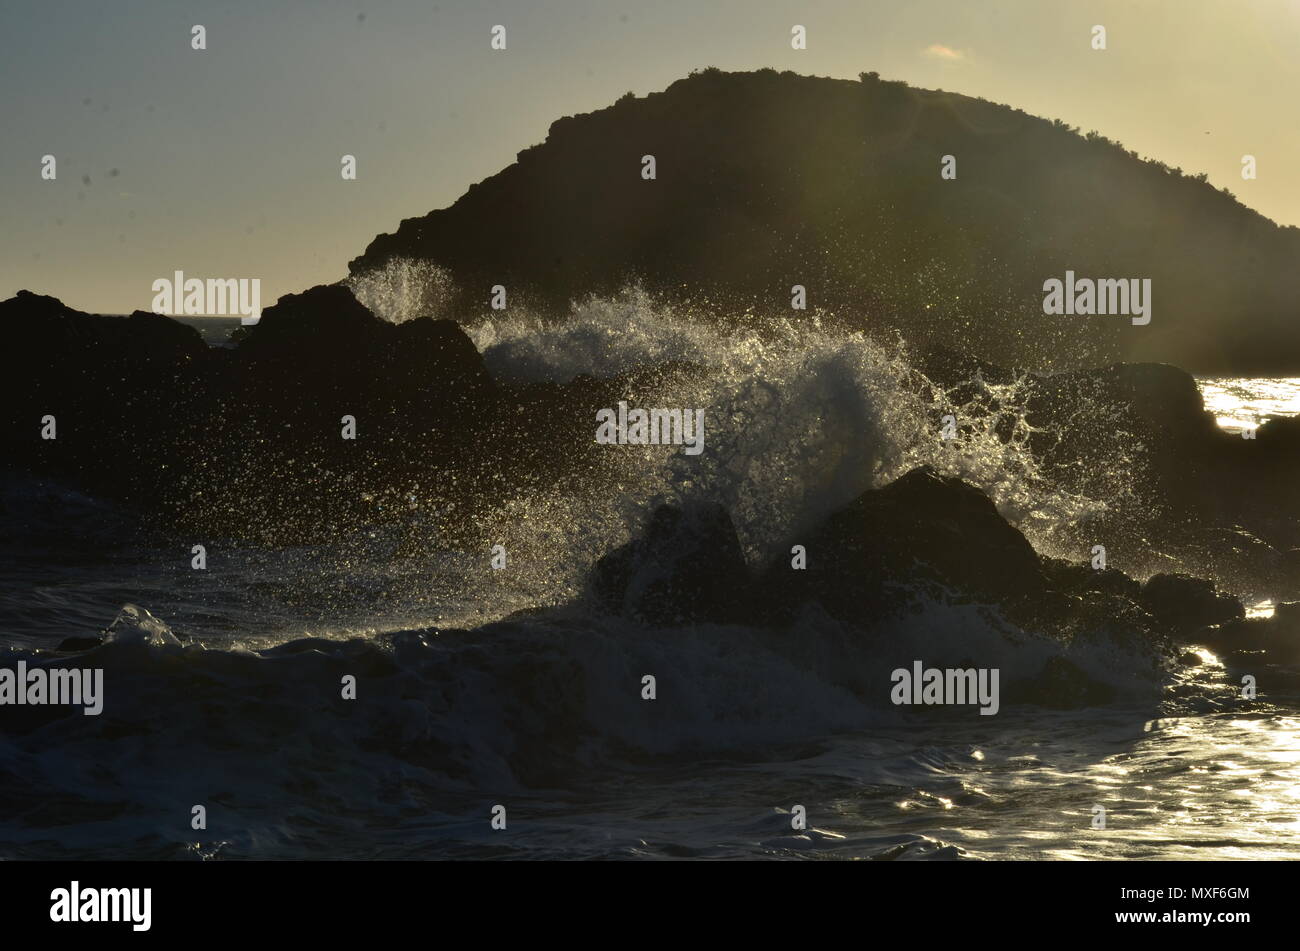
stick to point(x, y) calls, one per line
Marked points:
point(225, 162)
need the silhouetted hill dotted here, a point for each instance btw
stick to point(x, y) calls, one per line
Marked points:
point(767, 180)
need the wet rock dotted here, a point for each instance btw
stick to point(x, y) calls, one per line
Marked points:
point(248, 440)
point(687, 567)
point(1185, 604)
point(1074, 578)
point(923, 533)
point(1289, 567)
point(1278, 636)
point(1061, 685)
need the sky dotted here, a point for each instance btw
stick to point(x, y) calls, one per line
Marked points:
point(225, 162)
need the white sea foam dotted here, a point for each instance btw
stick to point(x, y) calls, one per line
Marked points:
point(802, 418)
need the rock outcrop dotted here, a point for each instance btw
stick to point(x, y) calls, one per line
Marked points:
point(686, 567)
point(765, 180)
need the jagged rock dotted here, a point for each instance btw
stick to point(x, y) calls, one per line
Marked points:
point(248, 439)
point(686, 567)
point(37, 326)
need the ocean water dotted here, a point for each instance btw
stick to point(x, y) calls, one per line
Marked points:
point(478, 688)
point(1239, 403)
point(215, 331)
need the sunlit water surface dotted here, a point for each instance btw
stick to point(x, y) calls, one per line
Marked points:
point(1241, 403)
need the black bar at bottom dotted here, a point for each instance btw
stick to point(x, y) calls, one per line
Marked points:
point(335, 900)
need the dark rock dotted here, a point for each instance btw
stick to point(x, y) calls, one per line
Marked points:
point(1186, 604)
point(1280, 433)
point(320, 324)
point(42, 328)
point(1289, 566)
point(1074, 578)
point(1164, 397)
point(1112, 615)
point(248, 439)
point(1061, 685)
point(1112, 581)
point(867, 560)
point(687, 567)
point(1278, 636)
point(1286, 620)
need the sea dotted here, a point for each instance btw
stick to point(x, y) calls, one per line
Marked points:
point(520, 700)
